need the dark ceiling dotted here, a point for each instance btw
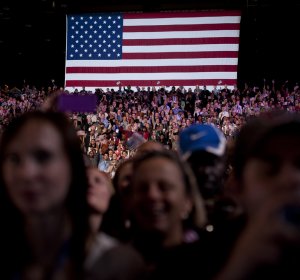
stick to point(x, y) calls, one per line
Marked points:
point(32, 34)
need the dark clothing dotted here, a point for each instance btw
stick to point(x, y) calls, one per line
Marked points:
point(205, 258)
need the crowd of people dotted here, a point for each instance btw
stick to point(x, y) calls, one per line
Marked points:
point(157, 114)
point(153, 184)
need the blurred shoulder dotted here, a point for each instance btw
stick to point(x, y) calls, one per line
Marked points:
point(121, 262)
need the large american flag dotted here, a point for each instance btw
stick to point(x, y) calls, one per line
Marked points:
point(152, 49)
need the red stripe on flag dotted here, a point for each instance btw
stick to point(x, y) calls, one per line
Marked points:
point(188, 27)
point(96, 83)
point(181, 14)
point(153, 69)
point(180, 41)
point(180, 55)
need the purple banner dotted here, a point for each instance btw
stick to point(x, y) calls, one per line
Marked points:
point(86, 103)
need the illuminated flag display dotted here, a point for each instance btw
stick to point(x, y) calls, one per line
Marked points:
point(150, 49)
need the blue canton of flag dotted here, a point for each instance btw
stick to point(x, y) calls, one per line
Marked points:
point(95, 37)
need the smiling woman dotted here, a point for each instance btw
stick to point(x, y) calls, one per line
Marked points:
point(166, 205)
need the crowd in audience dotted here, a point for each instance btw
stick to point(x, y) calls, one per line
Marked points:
point(157, 114)
point(152, 184)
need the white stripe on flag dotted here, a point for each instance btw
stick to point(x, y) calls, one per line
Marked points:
point(152, 62)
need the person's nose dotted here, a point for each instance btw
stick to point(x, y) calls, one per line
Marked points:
point(26, 169)
point(153, 192)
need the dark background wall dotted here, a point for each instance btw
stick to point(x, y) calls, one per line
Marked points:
point(32, 36)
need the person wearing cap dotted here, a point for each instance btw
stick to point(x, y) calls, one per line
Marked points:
point(203, 146)
point(263, 241)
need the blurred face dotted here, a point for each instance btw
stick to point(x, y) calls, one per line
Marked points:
point(275, 176)
point(209, 170)
point(160, 200)
point(99, 191)
point(36, 169)
point(105, 157)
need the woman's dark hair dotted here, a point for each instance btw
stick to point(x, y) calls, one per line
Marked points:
point(76, 202)
point(113, 222)
point(120, 167)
